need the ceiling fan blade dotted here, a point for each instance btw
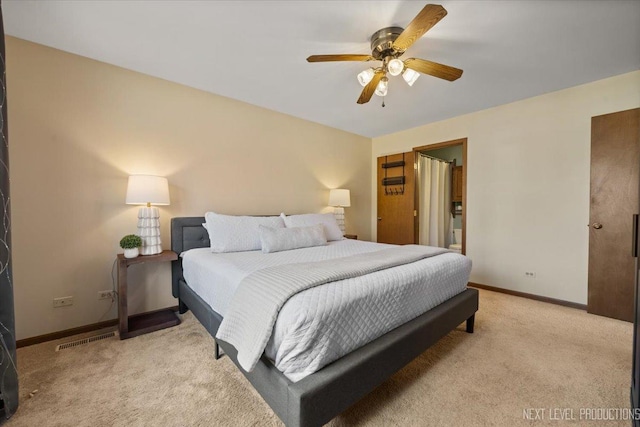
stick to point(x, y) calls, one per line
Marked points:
point(429, 16)
point(434, 69)
point(328, 58)
point(370, 88)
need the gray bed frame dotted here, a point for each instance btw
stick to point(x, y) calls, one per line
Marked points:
point(319, 397)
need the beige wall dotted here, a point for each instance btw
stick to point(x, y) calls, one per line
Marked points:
point(79, 127)
point(528, 184)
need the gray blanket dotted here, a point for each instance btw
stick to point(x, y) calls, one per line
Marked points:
point(254, 309)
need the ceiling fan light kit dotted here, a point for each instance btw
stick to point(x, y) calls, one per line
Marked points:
point(388, 45)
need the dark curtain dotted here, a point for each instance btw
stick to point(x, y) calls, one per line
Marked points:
point(8, 371)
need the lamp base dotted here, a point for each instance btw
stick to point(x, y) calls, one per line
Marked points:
point(338, 212)
point(149, 231)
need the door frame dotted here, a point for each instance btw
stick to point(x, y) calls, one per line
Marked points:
point(416, 187)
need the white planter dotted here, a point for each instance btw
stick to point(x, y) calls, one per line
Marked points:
point(131, 253)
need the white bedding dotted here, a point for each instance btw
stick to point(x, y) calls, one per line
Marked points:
point(322, 324)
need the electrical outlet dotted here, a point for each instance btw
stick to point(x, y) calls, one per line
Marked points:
point(530, 274)
point(62, 302)
point(105, 294)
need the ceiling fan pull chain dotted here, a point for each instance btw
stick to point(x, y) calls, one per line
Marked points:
point(383, 102)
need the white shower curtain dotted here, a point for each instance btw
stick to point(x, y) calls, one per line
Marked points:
point(434, 210)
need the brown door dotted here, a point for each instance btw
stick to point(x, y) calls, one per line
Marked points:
point(615, 164)
point(395, 201)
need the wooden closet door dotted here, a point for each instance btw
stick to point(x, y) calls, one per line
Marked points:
point(615, 164)
point(395, 211)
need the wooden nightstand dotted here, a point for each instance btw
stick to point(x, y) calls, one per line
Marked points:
point(143, 323)
point(351, 236)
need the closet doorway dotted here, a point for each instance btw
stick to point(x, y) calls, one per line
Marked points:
point(440, 197)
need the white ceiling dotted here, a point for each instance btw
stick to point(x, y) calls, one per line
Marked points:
point(255, 51)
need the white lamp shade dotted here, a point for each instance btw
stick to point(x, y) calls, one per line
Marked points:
point(143, 189)
point(340, 197)
point(365, 76)
point(410, 76)
point(395, 67)
point(383, 85)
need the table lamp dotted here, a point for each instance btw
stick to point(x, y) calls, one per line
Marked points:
point(148, 190)
point(339, 198)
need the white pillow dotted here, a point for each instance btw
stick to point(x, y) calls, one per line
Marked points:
point(284, 239)
point(328, 221)
point(229, 233)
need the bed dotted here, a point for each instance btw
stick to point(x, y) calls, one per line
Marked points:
point(315, 398)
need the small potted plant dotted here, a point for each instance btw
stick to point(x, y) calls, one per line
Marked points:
point(130, 243)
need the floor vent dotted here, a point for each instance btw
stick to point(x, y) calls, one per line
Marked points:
point(84, 341)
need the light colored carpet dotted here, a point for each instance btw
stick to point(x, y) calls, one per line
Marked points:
point(524, 354)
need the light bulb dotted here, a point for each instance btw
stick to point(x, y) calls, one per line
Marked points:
point(381, 89)
point(365, 77)
point(395, 67)
point(410, 76)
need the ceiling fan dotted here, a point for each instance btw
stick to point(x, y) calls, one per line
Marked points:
point(388, 45)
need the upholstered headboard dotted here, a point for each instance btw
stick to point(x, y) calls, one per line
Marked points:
point(186, 233)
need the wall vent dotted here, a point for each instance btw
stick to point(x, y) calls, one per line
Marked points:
point(84, 341)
